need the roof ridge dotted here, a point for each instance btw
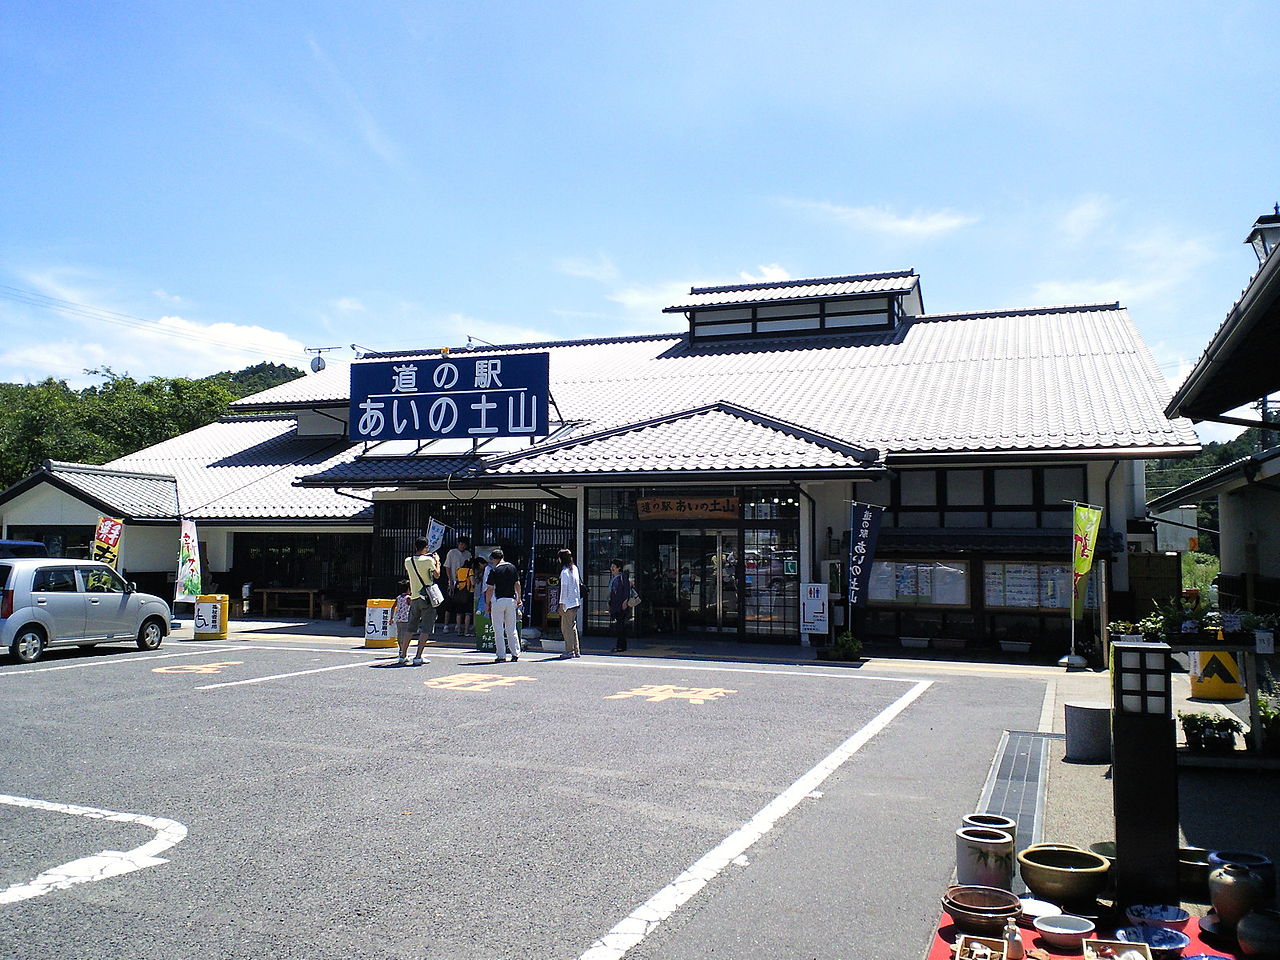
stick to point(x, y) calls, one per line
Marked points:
point(489, 347)
point(68, 466)
point(1020, 311)
point(721, 406)
point(803, 282)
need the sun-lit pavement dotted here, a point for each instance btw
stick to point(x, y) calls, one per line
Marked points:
point(334, 804)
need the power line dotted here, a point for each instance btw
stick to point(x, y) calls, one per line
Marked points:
point(86, 312)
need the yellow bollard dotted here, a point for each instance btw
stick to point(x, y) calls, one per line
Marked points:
point(212, 613)
point(379, 631)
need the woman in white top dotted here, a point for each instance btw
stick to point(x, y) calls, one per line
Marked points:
point(570, 601)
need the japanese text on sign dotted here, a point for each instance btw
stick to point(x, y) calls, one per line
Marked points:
point(864, 529)
point(662, 508)
point(450, 396)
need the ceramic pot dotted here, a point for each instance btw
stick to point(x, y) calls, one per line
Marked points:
point(1257, 862)
point(1234, 891)
point(984, 857)
point(993, 821)
point(1258, 933)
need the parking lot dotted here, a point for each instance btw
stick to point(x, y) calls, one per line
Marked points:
point(279, 799)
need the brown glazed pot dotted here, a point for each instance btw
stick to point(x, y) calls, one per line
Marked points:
point(1258, 933)
point(1234, 891)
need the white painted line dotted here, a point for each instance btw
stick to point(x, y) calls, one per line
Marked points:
point(108, 863)
point(1047, 707)
point(106, 661)
point(282, 676)
point(643, 920)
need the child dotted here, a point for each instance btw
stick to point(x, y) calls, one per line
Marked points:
point(463, 597)
point(400, 617)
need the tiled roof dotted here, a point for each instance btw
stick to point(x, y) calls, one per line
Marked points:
point(1031, 380)
point(245, 468)
point(393, 471)
point(902, 281)
point(716, 437)
point(1215, 481)
point(130, 494)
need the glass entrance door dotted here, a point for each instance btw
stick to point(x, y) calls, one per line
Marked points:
point(708, 579)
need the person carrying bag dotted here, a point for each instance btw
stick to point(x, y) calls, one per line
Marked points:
point(422, 569)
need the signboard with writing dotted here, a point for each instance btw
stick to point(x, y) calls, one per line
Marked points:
point(814, 613)
point(687, 508)
point(106, 540)
point(864, 530)
point(450, 396)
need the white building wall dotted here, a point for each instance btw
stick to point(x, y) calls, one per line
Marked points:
point(1249, 521)
point(47, 505)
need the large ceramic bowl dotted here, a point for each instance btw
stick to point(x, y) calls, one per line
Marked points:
point(1158, 915)
point(1165, 944)
point(1066, 932)
point(980, 910)
point(1063, 876)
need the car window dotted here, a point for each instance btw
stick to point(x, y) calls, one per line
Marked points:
point(5, 570)
point(101, 580)
point(55, 580)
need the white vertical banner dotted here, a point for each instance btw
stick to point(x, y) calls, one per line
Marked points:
point(435, 535)
point(188, 585)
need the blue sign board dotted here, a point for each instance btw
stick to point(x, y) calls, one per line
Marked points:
point(864, 530)
point(454, 395)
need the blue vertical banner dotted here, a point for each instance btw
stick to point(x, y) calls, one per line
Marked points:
point(864, 529)
point(435, 535)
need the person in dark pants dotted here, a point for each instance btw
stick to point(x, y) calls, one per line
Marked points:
point(619, 612)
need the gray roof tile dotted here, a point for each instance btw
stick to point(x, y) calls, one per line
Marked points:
point(131, 494)
point(903, 281)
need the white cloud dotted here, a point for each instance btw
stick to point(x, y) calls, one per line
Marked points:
point(1084, 218)
point(80, 332)
point(769, 273)
point(348, 305)
point(599, 268)
point(375, 138)
point(1148, 271)
point(644, 304)
point(166, 296)
point(921, 225)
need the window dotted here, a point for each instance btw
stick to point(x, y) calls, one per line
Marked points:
point(1014, 487)
point(965, 488)
point(920, 582)
point(919, 488)
point(101, 580)
point(1046, 586)
point(55, 580)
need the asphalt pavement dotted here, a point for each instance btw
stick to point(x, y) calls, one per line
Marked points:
point(313, 801)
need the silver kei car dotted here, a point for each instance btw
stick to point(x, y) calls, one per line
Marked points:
point(46, 602)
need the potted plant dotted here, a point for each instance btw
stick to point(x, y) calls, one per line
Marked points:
point(845, 647)
point(1124, 630)
point(1209, 732)
point(1016, 641)
point(1269, 715)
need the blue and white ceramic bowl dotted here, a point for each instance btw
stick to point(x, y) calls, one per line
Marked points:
point(1158, 915)
point(1165, 944)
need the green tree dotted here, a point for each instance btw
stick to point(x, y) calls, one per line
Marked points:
point(118, 415)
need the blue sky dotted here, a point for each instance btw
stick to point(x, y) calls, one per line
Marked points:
point(253, 178)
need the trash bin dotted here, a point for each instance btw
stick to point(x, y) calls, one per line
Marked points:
point(211, 616)
point(1088, 724)
point(379, 631)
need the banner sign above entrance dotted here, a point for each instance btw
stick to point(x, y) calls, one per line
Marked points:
point(684, 508)
point(450, 396)
point(864, 529)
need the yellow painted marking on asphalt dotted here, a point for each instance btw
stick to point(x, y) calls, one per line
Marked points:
point(198, 667)
point(658, 692)
point(476, 682)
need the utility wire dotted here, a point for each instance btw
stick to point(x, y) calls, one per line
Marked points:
point(86, 312)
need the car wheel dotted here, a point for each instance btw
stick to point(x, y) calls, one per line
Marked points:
point(151, 635)
point(28, 645)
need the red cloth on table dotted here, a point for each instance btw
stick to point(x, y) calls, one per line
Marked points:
point(946, 934)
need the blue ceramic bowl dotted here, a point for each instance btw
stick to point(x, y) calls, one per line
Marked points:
point(1165, 944)
point(1158, 915)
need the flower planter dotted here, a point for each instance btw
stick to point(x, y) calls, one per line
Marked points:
point(914, 643)
point(1015, 646)
point(948, 643)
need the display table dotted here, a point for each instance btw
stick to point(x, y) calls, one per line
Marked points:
point(946, 935)
point(268, 607)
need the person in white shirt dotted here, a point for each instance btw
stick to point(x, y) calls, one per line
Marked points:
point(570, 602)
